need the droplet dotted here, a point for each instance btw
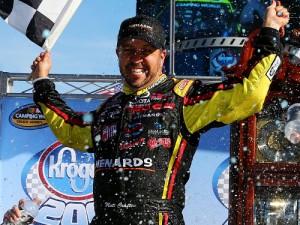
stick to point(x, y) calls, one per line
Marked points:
point(233, 160)
point(46, 33)
point(87, 118)
point(284, 104)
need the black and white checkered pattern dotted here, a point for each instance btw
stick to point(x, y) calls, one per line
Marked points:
point(38, 19)
point(34, 186)
point(223, 187)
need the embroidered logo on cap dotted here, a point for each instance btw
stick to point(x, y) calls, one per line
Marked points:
point(141, 26)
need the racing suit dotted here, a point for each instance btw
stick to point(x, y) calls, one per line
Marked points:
point(144, 142)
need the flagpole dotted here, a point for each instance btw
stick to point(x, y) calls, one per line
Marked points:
point(172, 39)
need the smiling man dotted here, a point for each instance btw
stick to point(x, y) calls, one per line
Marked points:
point(144, 138)
point(141, 51)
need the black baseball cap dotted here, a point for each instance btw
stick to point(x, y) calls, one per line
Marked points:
point(142, 27)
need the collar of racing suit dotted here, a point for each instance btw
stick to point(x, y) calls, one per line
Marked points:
point(128, 90)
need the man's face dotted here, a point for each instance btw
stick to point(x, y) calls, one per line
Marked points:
point(140, 63)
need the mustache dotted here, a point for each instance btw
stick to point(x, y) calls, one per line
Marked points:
point(133, 64)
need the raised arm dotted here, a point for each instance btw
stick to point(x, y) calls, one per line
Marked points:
point(72, 129)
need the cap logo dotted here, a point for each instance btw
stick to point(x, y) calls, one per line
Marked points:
point(141, 26)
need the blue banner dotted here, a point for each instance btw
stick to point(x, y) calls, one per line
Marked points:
point(34, 164)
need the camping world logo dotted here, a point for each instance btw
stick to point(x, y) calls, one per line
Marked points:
point(62, 178)
point(28, 117)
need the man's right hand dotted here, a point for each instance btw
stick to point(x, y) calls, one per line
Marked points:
point(41, 66)
point(14, 214)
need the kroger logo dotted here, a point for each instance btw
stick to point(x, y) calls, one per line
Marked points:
point(224, 59)
point(67, 173)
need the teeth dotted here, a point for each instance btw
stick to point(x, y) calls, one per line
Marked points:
point(137, 70)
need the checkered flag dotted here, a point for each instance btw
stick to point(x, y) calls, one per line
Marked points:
point(42, 21)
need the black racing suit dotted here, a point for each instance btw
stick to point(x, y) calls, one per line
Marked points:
point(144, 142)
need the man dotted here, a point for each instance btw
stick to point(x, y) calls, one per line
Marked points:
point(144, 138)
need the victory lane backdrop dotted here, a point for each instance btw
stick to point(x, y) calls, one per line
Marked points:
point(34, 164)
